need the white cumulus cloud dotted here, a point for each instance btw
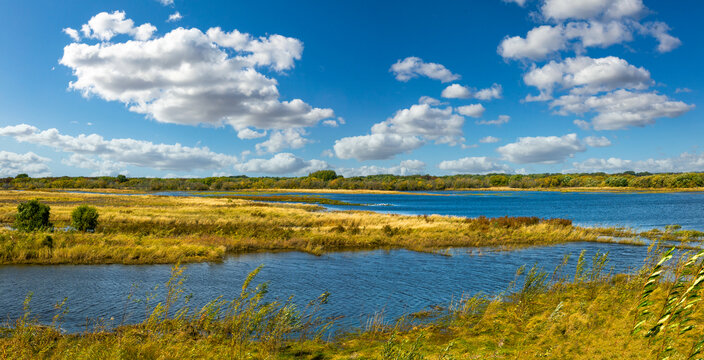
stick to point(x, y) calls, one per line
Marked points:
point(542, 149)
point(72, 33)
point(190, 77)
point(660, 31)
point(438, 124)
point(413, 67)
point(100, 167)
point(406, 167)
point(622, 108)
point(375, 146)
point(456, 91)
point(283, 139)
point(128, 151)
point(502, 119)
point(597, 141)
point(104, 26)
point(538, 44)
point(175, 17)
point(588, 75)
point(490, 93)
point(282, 163)
point(247, 134)
point(474, 110)
point(489, 140)
point(576, 25)
point(474, 165)
point(29, 163)
point(587, 9)
point(685, 162)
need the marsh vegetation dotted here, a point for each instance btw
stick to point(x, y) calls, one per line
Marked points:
point(159, 229)
point(154, 229)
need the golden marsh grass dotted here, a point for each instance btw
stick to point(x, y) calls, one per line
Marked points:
point(144, 229)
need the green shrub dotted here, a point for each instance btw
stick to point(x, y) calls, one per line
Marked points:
point(84, 218)
point(32, 216)
point(325, 175)
point(616, 181)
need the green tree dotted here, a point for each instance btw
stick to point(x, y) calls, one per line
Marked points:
point(325, 175)
point(617, 181)
point(84, 218)
point(32, 216)
point(498, 180)
point(121, 178)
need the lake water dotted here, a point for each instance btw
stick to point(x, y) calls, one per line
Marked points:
point(360, 283)
point(396, 282)
point(630, 209)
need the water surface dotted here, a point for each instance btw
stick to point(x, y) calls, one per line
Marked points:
point(396, 282)
point(629, 209)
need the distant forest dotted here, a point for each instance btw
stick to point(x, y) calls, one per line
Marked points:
point(328, 179)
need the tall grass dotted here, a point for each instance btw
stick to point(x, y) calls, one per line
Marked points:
point(241, 327)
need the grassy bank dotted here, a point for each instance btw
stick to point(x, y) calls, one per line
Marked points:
point(585, 313)
point(158, 229)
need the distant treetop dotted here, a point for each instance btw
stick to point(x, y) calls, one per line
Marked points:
point(329, 179)
point(325, 175)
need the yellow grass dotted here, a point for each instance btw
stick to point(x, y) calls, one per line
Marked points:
point(142, 229)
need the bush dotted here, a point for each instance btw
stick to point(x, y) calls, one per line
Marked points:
point(617, 181)
point(325, 175)
point(32, 216)
point(84, 218)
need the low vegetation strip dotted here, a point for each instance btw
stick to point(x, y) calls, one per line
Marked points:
point(154, 229)
point(583, 312)
point(328, 179)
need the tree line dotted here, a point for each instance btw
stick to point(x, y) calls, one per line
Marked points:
point(328, 179)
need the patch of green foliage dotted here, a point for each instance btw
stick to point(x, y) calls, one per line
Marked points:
point(84, 218)
point(329, 179)
point(325, 175)
point(32, 216)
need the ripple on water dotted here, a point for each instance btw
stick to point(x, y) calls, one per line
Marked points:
point(360, 283)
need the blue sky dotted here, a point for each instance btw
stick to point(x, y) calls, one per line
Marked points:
point(365, 87)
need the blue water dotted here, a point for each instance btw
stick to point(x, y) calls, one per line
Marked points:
point(394, 282)
point(636, 210)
